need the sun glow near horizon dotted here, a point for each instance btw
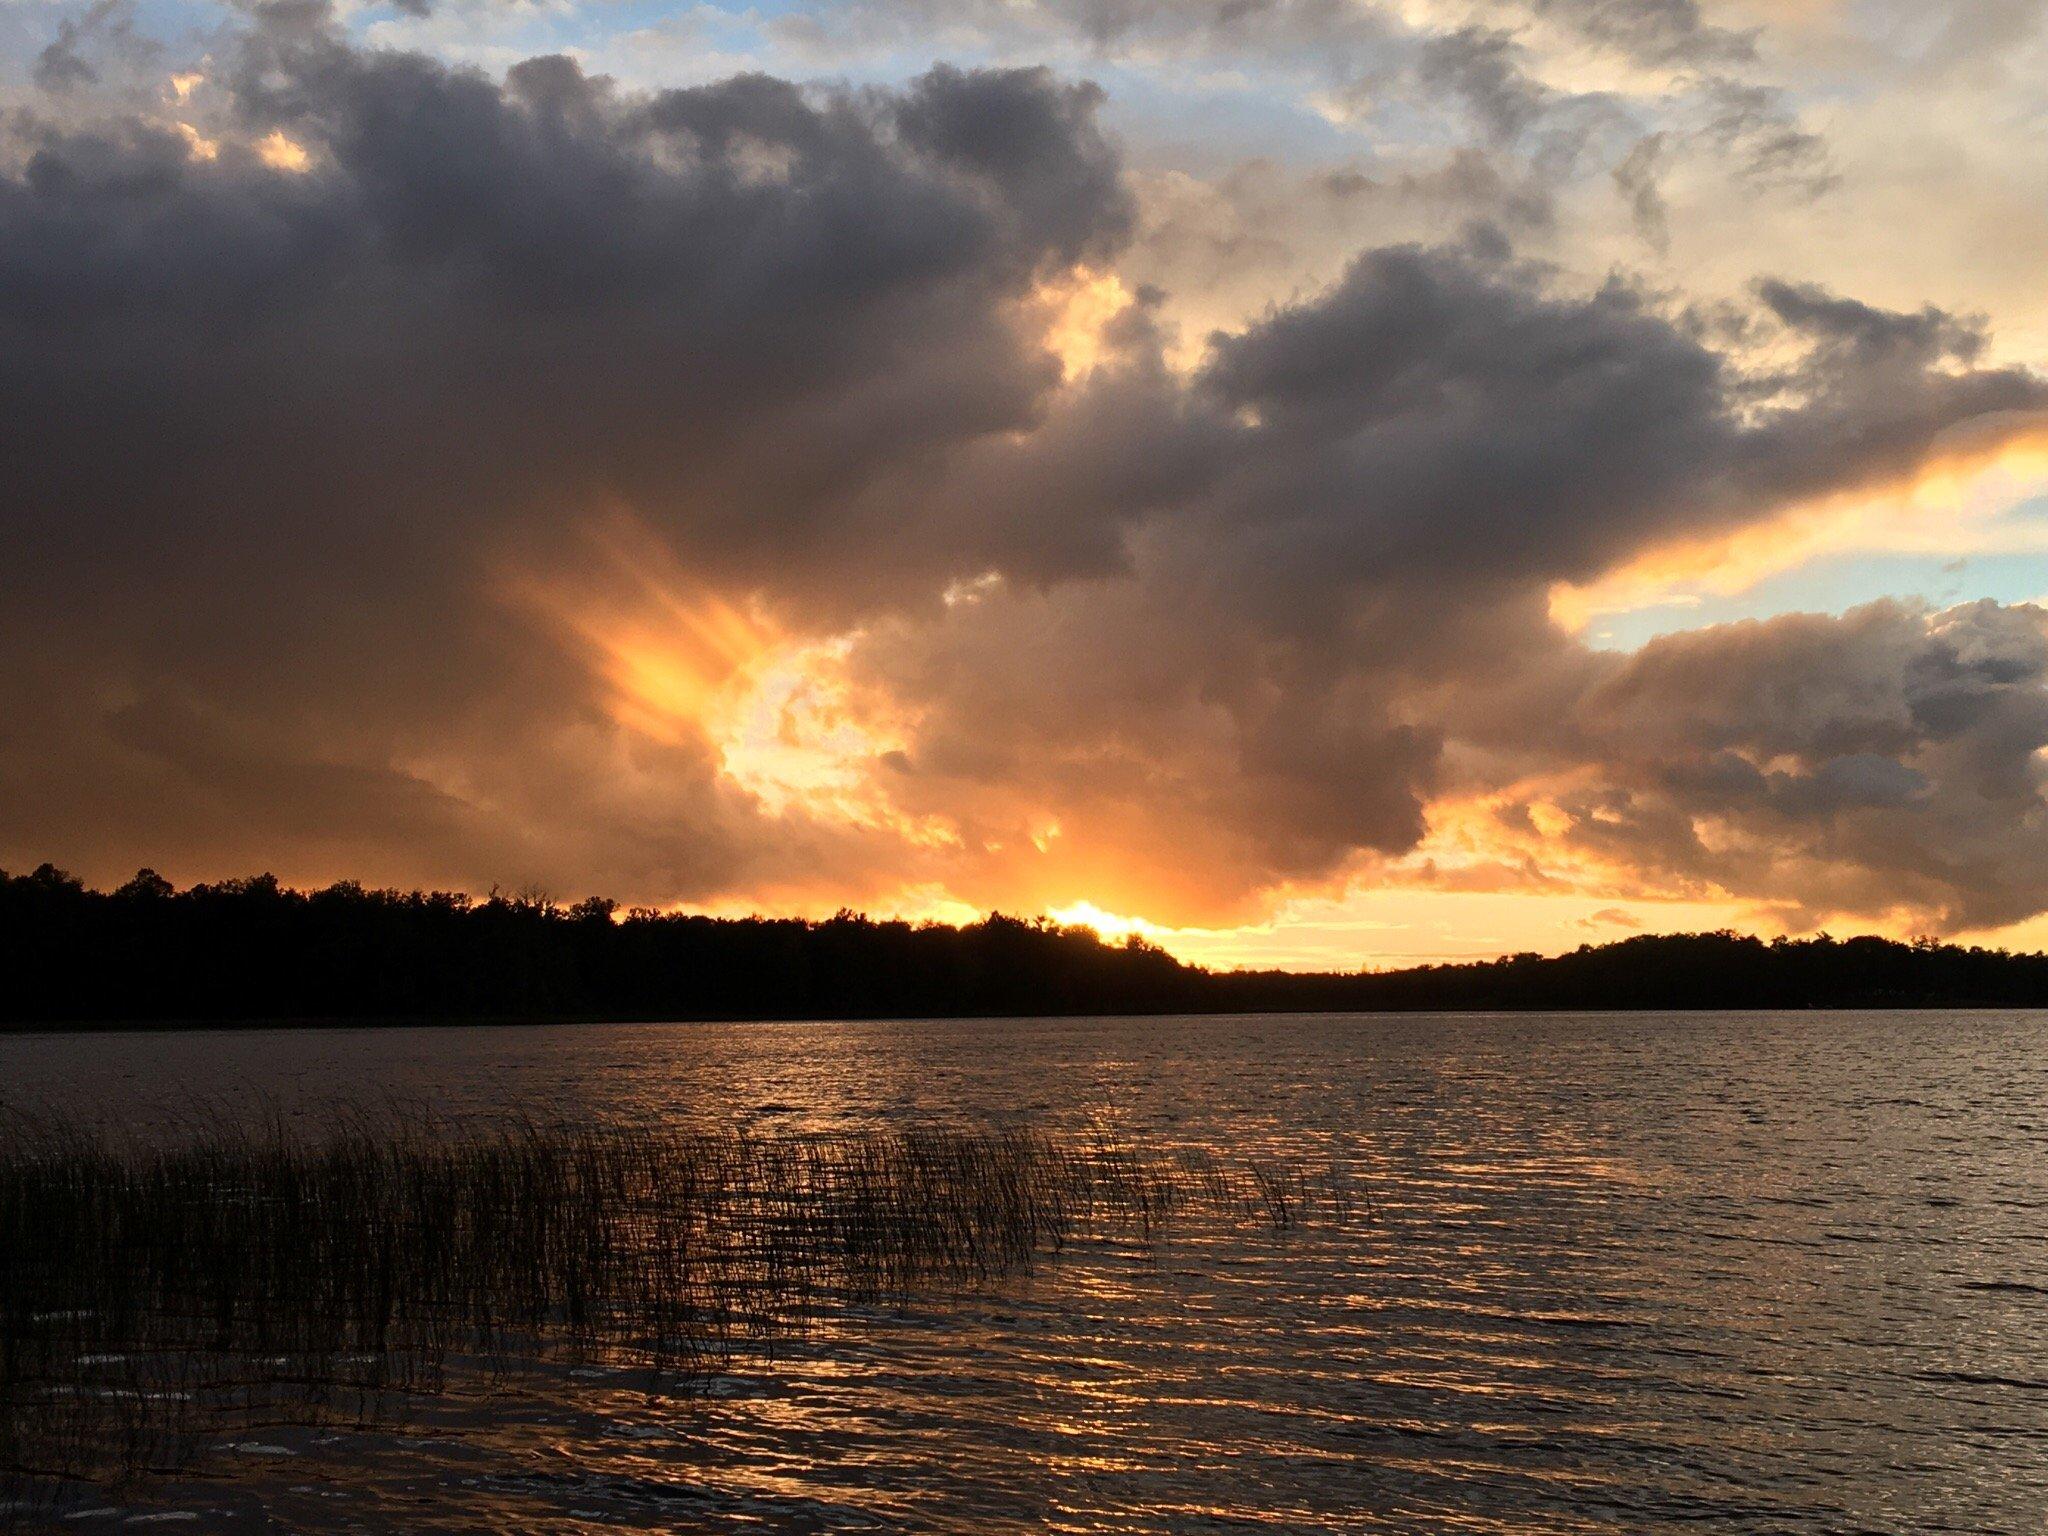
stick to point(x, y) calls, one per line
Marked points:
point(784, 721)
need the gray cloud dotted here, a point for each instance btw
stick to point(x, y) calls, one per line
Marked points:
point(1880, 762)
point(1405, 82)
point(1752, 128)
point(1437, 409)
point(1346, 590)
point(520, 299)
point(1856, 339)
point(283, 433)
point(1482, 68)
point(1658, 32)
point(274, 431)
point(88, 45)
point(1636, 179)
point(1331, 35)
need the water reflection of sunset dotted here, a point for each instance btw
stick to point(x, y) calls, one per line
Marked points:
point(1639, 1263)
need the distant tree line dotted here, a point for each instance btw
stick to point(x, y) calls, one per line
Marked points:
point(254, 950)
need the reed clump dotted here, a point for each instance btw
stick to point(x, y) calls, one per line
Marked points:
point(156, 1296)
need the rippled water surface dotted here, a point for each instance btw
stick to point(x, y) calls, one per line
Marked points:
point(1640, 1273)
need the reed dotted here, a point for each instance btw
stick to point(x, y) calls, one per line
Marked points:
point(155, 1296)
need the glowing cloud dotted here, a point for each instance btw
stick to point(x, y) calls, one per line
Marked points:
point(1078, 310)
point(796, 735)
point(663, 647)
point(1953, 504)
point(283, 154)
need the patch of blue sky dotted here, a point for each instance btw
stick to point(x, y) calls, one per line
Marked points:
point(165, 20)
point(1204, 120)
point(27, 27)
point(1197, 116)
point(1197, 112)
point(767, 8)
point(1836, 584)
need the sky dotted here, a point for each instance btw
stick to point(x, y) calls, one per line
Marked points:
point(1317, 483)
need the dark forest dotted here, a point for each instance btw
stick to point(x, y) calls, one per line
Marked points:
point(255, 951)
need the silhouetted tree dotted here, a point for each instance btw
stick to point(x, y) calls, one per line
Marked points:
point(254, 950)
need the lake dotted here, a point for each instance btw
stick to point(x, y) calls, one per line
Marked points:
point(1777, 1272)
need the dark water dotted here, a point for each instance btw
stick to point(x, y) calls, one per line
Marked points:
point(1642, 1273)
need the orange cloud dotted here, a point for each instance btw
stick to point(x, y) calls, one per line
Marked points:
point(663, 646)
point(1076, 311)
point(775, 713)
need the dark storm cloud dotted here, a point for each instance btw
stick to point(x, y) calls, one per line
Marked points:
point(270, 430)
point(292, 386)
point(513, 298)
point(1350, 583)
point(1440, 410)
point(1882, 761)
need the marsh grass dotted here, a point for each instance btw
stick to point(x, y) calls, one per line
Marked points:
point(154, 1298)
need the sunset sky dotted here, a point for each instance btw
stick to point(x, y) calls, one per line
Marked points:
point(1319, 483)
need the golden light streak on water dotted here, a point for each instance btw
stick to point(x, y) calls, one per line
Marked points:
point(1616, 1275)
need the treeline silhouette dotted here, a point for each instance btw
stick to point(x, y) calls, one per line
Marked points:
point(257, 951)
